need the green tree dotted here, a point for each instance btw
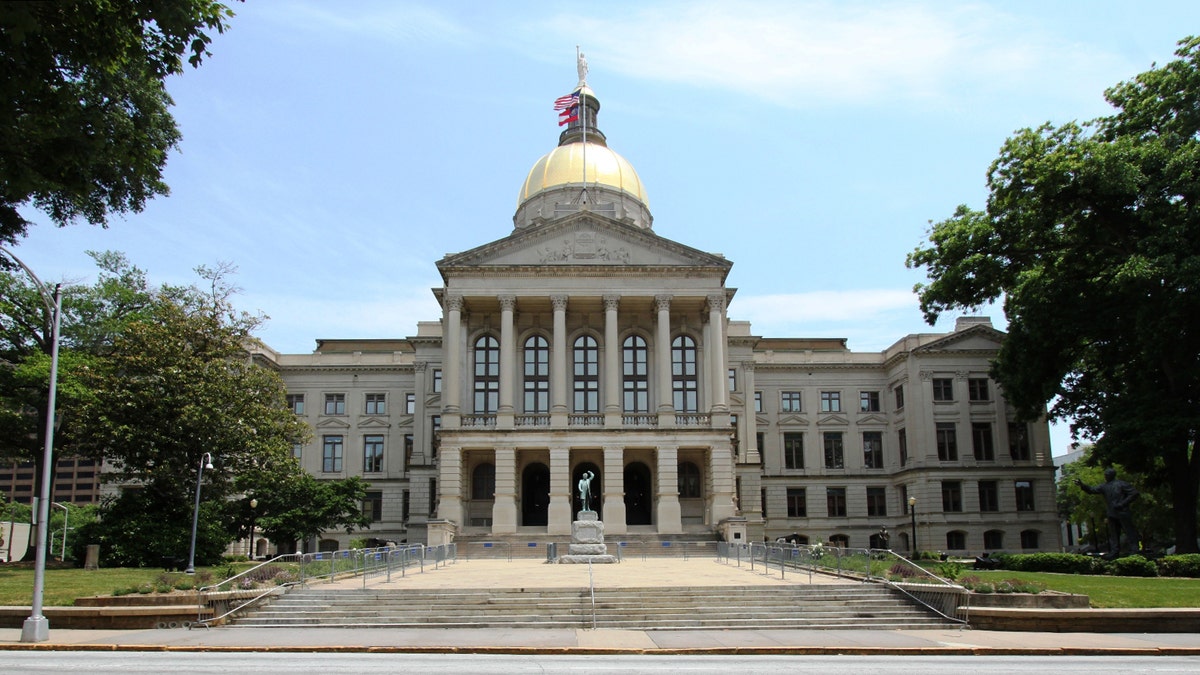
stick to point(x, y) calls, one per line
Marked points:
point(1091, 235)
point(304, 507)
point(85, 126)
point(178, 385)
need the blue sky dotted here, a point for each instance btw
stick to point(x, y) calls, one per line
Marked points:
point(334, 152)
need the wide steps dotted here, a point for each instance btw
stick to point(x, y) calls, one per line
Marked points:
point(749, 607)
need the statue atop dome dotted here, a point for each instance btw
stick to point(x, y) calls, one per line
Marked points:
point(582, 66)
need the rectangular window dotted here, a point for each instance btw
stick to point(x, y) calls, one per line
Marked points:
point(877, 501)
point(435, 424)
point(835, 456)
point(410, 404)
point(376, 404)
point(331, 456)
point(437, 380)
point(943, 389)
point(372, 454)
point(297, 450)
point(868, 401)
point(904, 500)
point(1018, 441)
point(789, 401)
point(793, 450)
point(951, 496)
point(335, 404)
point(872, 449)
point(296, 403)
point(372, 506)
point(433, 497)
point(762, 496)
point(902, 443)
point(405, 505)
point(947, 442)
point(733, 379)
point(835, 502)
point(409, 446)
point(760, 442)
point(797, 506)
point(831, 401)
point(899, 397)
point(1029, 539)
point(1024, 493)
point(981, 441)
point(989, 496)
point(978, 390)
point(758, 401)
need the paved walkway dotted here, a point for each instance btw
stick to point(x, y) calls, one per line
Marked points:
point(631, 573)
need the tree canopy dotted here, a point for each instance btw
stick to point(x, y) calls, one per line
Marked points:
point(85, 126)
point(1091, 235)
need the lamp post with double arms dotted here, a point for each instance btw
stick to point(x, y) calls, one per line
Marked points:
point(37, 628)
point(205, 463)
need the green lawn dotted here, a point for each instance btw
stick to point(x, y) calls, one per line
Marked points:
point(64, 585)
point(1110, 592)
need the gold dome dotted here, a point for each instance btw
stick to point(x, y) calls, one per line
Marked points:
point(564, 166)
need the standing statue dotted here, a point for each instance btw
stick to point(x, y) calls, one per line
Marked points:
point(1118, 495)
point(585, 490)
point(581, 66)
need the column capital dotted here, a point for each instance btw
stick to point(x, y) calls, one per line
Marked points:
point(748, 366)
point(454, 302)
point(420, 366)
point(662, 302)
point(507, 302)
point(716, 302)
point(559, 302)
point(612, 303)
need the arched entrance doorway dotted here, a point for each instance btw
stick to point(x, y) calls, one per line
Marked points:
point(535, 495)
point(595, 494)
point(639, 506)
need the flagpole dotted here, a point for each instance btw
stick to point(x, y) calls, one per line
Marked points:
point(583, 118)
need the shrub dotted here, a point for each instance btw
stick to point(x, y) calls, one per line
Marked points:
point(1065, 563)
point(1133, 566)
point(1184, 565)
point(949, 570)
point(163, 588)
point(144, 588)
point(184, 584)
point(118, 592)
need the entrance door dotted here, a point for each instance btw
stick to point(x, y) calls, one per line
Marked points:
point(595, 494)
point(535, 495)
point(639, 506)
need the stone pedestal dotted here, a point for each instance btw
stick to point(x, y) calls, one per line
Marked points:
point(587, 541)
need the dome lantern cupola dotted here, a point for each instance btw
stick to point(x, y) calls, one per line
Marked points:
point(582, 173)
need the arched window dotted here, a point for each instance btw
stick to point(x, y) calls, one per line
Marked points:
point(1029, 539)
point(956, 540)
point(586, 383)
point(689, 481)
point(635, 375)
point(839, 540)
point(483, 482)
point(487, 375)
point(683, 374)
point(993, 540)
point(537, 375)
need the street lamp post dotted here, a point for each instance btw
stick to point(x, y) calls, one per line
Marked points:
point(253, 505)
point(912, 511)
point(37, 628)
point(205, 463)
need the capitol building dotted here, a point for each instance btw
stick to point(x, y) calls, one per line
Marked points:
point(583, 341)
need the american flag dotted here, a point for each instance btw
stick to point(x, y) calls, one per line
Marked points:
point(566, 102)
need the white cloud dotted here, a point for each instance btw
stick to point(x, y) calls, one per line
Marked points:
point(815, 54)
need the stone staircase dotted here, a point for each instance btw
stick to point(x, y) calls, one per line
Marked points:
point(827, 606)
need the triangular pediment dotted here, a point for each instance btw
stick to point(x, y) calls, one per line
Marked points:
point(833, 420)
point(792, 420)
point(872, 419)
point(373, 423)
point(976, 338)
point(333, 423)
point(584, 239)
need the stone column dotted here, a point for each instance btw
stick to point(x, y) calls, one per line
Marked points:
point(420, 391)
point(716, 320)
point(558, 363)
point(561, 496)
point(748, 433)
point(662, 361)
point(612, 363)
point(720, 467)
point(614, 489)
point(666, 502)
point(452, 360)
point(504, 415)
point(450, 484)
point(504, 510)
